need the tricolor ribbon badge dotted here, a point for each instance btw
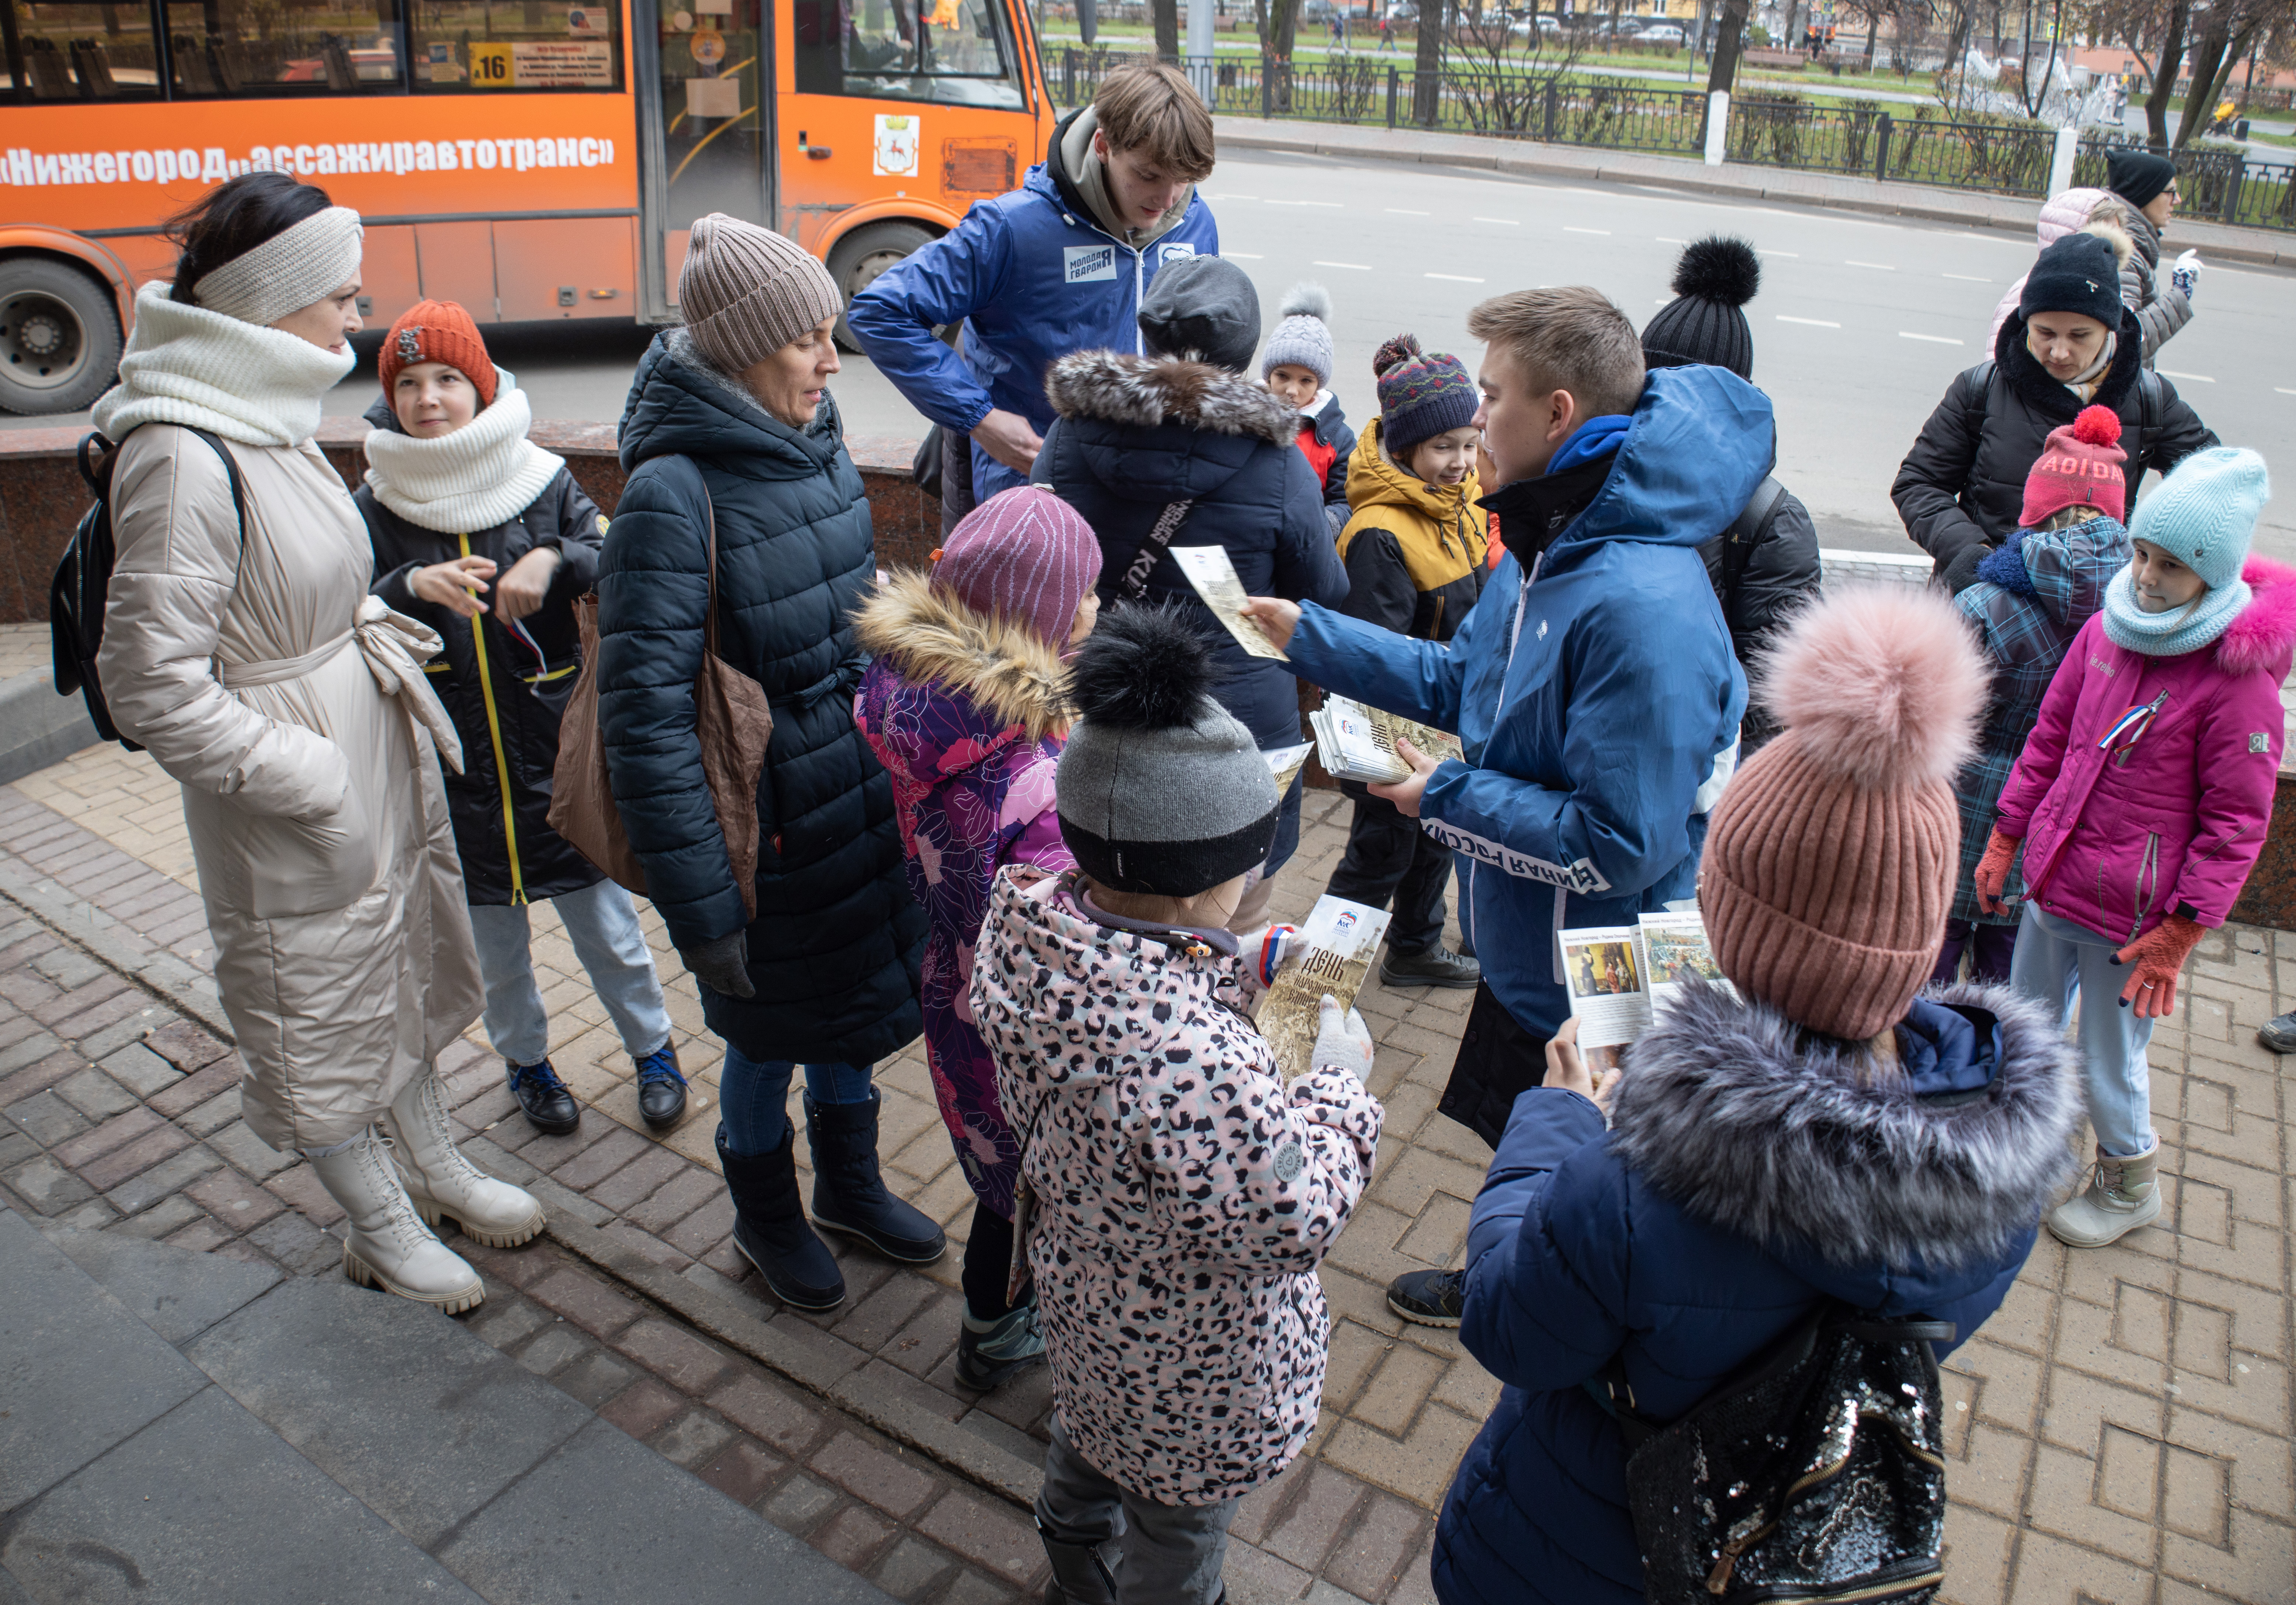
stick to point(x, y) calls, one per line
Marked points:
point(2127, 729)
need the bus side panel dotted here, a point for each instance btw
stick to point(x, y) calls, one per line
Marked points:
point(458, 265)
point(389, 280)
point(536, 260)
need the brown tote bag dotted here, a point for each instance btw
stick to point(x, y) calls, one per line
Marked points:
point(732, 720)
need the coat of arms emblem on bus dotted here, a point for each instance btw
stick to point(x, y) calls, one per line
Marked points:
point(896, 152)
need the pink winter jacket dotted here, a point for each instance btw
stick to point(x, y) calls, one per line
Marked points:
point(2117, 843)
point(1185, 1194)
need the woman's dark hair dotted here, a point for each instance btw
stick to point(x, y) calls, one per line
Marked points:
point(233, 220)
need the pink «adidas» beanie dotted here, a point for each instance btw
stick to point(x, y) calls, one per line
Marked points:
point(1023, 555)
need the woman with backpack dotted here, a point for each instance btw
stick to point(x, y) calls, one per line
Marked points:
point(240, 646)
point(1823, 1132)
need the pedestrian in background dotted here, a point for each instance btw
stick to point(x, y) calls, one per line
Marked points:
point(1185, 1194)
point(486, 538)
point(732, 440)
point(1825, 1132)
point(1297, 365)
point(2031, 598)
point(241, 648)
point(2159, 312)
point(2141, 801)
point(967, 707)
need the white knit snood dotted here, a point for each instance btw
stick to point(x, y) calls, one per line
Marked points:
point(485, 474)
point(287, 272)
point(188, 364)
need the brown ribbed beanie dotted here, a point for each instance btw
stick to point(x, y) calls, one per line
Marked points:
point(746, 291)
point(1828, 871)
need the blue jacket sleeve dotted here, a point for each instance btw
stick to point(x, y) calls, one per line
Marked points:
point(937, 283)
point(1419, 679)
point(1638, 740)
point(1533, 1318)
point(654, 591)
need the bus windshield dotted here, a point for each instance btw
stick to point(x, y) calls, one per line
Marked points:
point(949, 51)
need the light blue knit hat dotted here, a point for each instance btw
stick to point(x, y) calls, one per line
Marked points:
point(2205, 512)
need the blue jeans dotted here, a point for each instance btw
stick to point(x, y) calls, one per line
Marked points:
point(753, 1097)
point(603, 924)
point(2055, 957)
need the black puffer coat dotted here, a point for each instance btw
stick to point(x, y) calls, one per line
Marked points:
point(1761, 576)
point(837, 943)
point(1963, 484)
point(503, 699)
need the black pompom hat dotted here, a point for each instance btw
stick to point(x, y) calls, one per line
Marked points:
point(2078, 274)
point(1703, 326)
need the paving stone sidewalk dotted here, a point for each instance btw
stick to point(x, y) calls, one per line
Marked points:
point(2122, 1428)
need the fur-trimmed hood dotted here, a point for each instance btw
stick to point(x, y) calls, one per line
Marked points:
point(2264, 635)
point(1746, 1121)
point(1149, 391)
point(931, 638)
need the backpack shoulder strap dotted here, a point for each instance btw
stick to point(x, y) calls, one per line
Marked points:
point(1152, 548)
point(1752, 519)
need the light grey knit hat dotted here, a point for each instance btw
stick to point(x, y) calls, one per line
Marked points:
point(746, 291)
point(1160, 790)
point(1304, 338)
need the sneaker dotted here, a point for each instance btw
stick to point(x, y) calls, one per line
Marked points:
point(1429, 1298)
point(548, 1103)
point(1437, 966)
point(2279, 1033)
point(990, 1352)
point(661, 1088)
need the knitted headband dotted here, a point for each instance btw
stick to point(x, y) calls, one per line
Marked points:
point(288, 271)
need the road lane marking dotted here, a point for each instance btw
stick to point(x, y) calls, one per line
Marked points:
point(1877, 267)
point(1508, 222)
point(1969, 278)
point(1405, 211)
point(1765, 251)
point(2283, 390)
point(1568, 228)
point(1358, 267)
point(1663, 240)
point(1455, 278)
point(1814, 323)
point(1932, 339)
point(1249, 256)
point(2195, 378)
point(1227, 197)
point(1334, 205)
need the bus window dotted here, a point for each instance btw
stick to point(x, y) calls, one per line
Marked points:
point(225, 50)
point(950, 51)
point(80, 53)
point(717, 146)
point(529, 48)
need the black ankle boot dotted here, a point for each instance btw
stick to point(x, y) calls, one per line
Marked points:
point(849, 1196)
point(770, 1227)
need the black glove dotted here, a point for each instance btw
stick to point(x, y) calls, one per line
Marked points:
point(1961, 573)
point(721, 964)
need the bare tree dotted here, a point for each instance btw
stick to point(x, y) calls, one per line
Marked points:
point(1427, 67)
point(1724, 70)
point(1166, 15)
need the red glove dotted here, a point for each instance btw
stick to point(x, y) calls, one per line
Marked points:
point(2157, 955)
point(1993, 870)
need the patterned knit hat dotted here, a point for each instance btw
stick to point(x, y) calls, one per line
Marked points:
point(746, 291)
point(1829, 867)
point(1420, 395)
point(1702, 325)
point(436, 332)
point(2080, 466)
point(1303, 339)
point(1023, 555)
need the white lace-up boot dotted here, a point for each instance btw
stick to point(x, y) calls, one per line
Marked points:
point(2122, 1194)
point(388, 1245)
point(442, 1182)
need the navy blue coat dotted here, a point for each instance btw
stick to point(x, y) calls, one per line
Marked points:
point(1138, 433)
point(1750, 1173)
point(837, 944)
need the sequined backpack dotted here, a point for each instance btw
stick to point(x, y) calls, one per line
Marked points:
point(1816, 1474)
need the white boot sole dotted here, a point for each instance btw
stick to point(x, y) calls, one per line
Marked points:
point(2123, 1226)
point(446, 1303)
point(499, 1237)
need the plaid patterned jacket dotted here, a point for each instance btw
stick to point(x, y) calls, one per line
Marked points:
point(2031, 597)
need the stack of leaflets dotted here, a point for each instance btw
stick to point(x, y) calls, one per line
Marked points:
point(1620, 978)
point(1332, 954)
point(1354, 742)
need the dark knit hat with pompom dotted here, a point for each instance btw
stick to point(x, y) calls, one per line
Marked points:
point(1422, 394)
point(1703, 326)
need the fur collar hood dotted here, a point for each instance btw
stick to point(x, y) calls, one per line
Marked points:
point(1001, 668)
point(2264, 635)
point(1741, 1118)
point(1145, 392)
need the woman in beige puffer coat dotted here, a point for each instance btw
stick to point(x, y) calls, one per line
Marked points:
point(241, 648)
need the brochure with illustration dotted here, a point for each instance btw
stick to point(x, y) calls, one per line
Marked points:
point(1622, 977)
point(1284, 764)
point(1356, 742)
point(1209, 570)
point(1332, 954)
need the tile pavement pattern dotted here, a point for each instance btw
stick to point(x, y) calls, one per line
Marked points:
point(2122, 1428)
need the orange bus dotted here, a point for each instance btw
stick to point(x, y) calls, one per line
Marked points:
point(529, 158)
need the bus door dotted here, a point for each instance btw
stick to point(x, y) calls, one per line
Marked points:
point(704, 72)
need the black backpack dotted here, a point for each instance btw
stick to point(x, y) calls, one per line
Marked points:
point(1816, 1474)
point(76, 594)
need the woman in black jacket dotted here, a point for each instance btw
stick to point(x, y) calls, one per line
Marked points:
point(486, 538)
point(2070, 344)
point(729, 425)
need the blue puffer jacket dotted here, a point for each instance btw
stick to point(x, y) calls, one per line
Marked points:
point(1138, 433)
point(1592, 697)
point(1034, 276)
point(837, 944)
point(1753, 1172)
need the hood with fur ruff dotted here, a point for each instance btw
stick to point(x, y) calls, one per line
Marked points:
point(2263, 635)
point(1747, 1120)
point(1150, 390)
point(931, 638)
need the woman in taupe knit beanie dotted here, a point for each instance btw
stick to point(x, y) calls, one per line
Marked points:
point(759, 308)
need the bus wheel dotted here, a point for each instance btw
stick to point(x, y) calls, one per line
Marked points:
point(59, 337)
point(865, 254)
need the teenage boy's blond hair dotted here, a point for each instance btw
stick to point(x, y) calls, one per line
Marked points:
point(1569, 338)
point(1149, 107)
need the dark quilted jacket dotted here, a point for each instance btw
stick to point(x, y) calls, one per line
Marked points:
point(835, 947)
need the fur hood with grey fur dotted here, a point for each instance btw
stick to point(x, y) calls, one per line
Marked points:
point(1148, 390)
point(1745, 1120)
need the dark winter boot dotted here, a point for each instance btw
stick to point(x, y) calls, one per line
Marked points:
point(770, 1227)
point(850, 1197)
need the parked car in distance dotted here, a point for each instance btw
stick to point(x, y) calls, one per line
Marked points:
point(1661, 33)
